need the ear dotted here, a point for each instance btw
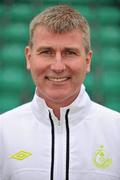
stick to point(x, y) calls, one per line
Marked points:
point(88, 61)
point(28, 56)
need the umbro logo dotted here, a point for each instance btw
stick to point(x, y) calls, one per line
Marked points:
point(21, 155)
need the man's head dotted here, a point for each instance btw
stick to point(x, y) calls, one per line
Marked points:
point(59, 54)
point(61, 19)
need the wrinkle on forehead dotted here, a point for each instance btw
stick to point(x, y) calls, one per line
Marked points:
point(68, 40)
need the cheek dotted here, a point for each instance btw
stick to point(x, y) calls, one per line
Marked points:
point(37, 68)
point(79, 73)
point(78, 68)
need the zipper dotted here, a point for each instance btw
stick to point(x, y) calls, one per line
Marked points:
point(67, 145)
point(52, 147)
point(57, 149)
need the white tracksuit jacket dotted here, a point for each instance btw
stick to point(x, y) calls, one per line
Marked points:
point(83, 145)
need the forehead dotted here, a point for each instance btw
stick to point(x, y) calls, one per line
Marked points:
point(42, 36)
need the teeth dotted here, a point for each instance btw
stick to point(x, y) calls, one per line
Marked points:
point(58, 79)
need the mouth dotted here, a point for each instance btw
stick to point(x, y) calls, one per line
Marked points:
point(57, 79)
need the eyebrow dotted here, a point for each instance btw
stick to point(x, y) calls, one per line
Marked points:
point(72, 49)
point(64, 49)
point(44, 48)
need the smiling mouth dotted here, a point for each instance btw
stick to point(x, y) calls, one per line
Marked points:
point(58, 79)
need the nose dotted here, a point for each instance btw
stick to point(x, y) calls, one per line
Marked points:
point(58, 65)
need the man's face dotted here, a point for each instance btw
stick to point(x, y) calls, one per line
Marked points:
point(58, 64)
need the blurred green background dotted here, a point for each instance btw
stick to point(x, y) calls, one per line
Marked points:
point(103, 83)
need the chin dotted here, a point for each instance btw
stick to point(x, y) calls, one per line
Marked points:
point(62, 98)
point(57, 96)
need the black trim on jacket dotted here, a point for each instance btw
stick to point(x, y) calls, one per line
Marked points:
point(53, 146)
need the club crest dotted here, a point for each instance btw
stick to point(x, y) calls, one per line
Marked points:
point(102, 159)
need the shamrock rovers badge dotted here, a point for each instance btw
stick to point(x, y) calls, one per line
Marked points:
point(102, 159)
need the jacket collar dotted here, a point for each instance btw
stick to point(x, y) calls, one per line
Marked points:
point(78, 109)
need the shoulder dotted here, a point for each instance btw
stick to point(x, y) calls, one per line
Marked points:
point(103, 113)
point(101, 108)
point(16, 113)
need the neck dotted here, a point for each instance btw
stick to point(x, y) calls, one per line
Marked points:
point(57, 105)
point(56, 109)
point(57, 113)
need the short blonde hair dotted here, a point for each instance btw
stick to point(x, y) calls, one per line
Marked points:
point(62, 19)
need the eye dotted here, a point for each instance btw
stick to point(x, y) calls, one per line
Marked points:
point(70, 52)
point(45, 52)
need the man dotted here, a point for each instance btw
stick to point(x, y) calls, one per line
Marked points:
point(61, 134)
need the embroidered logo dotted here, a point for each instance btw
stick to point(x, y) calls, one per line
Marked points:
point(21, 155)
point(101, 159)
